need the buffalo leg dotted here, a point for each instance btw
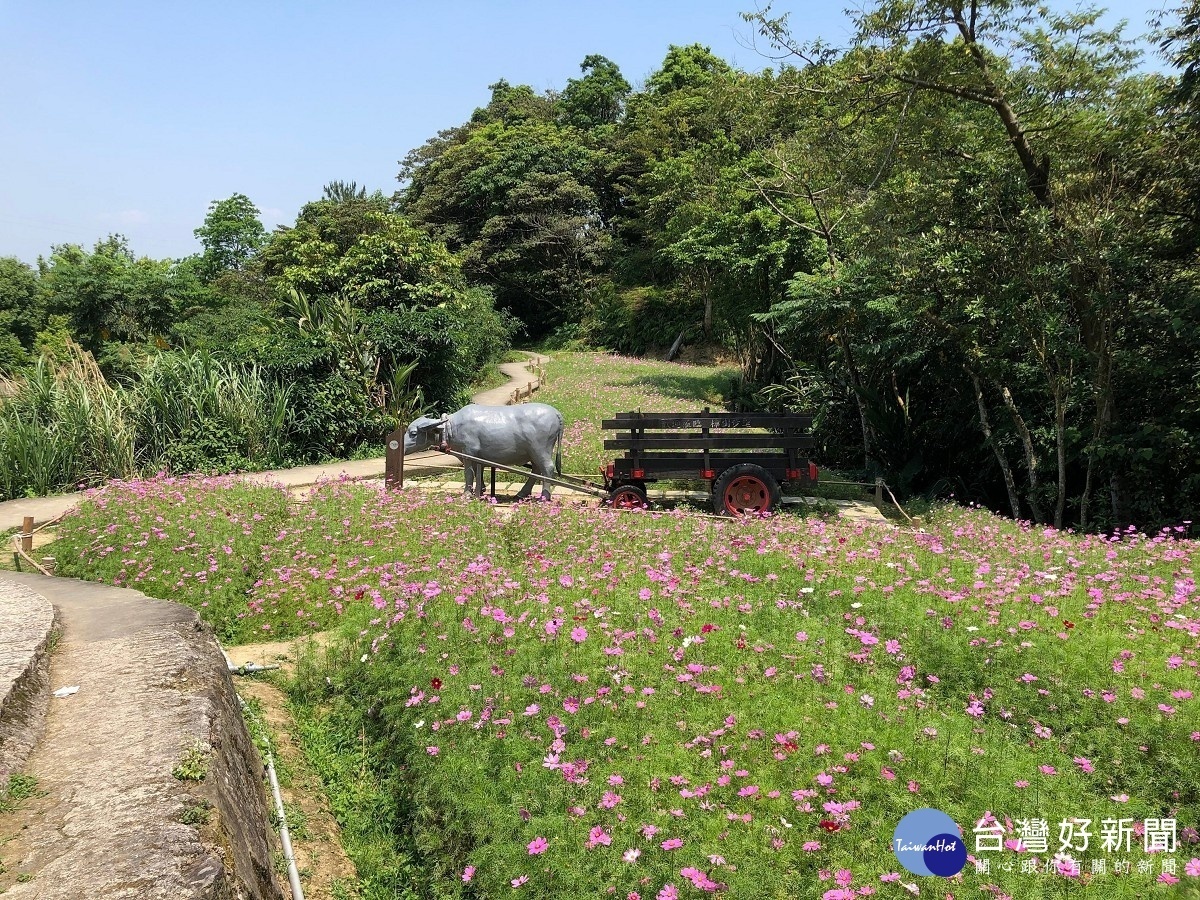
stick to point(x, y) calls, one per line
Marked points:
point(543, 466)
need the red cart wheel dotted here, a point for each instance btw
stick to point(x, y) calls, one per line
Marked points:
point(628, 496)
point(745, 489)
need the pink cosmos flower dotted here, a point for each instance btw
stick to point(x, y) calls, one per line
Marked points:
point(468, 873)
point(579, 634)
point(672, 844)
point(631, 855)
point(609, 800)
point(1192, 868)
point(517, 882)
point(537, 846)
point(432, 751)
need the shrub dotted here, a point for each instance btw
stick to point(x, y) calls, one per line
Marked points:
point(196, 412)
point(635, 320)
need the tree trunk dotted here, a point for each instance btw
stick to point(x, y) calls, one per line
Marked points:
point(855, 385)
point(1009, 482)
point(1031, 462)
point(1060, 443)
point(1120, 499)
point(1087, 492)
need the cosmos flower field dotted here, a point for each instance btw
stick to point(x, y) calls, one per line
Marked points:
point(584, 703)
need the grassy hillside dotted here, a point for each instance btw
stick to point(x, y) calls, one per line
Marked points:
point(581, 703)
point(584, 701)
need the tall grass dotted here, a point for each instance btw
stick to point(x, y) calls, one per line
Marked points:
point(195, 399)
point(62, 425)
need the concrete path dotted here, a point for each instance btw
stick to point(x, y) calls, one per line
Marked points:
point(109, 818)
point(43, 509)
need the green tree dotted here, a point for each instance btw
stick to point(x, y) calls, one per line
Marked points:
point(380, 295)
point(596, 99)
point(112, 296)
point(515, 201)
point(689, 68)
point(22, 312)
point(231, 235)
point(1006, 227)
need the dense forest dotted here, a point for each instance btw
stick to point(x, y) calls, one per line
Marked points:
point(968, 241)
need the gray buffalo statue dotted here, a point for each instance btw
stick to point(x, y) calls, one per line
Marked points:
point(529, 434)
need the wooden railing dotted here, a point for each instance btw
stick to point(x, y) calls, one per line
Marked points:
point(537, 368)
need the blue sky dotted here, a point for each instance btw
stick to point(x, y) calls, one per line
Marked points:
point(132, 117)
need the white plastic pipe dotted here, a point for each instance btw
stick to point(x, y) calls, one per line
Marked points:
point(284, 837)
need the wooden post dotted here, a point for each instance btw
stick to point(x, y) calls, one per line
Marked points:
point(393, 477)
point(879, 493)
point(493, 481)
point(27, 534)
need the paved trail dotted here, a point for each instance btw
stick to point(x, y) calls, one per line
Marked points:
point(108, 816)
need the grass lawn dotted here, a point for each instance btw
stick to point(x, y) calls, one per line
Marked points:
point(589, 387)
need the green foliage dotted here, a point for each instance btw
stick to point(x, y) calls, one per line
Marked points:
point(111, 294)
point(199, 413)
point(194, 764)
point(638, 320)
point(598, 98)
point(370, 806)
point(63, 427)
point(515, 197)
point(66, 426)
point(231, 234)
point(688, 68)
point(387, 301)
point(331, 411)
point(197, 814)
point(448, 343)
point(20, 787)
point(22, 311)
